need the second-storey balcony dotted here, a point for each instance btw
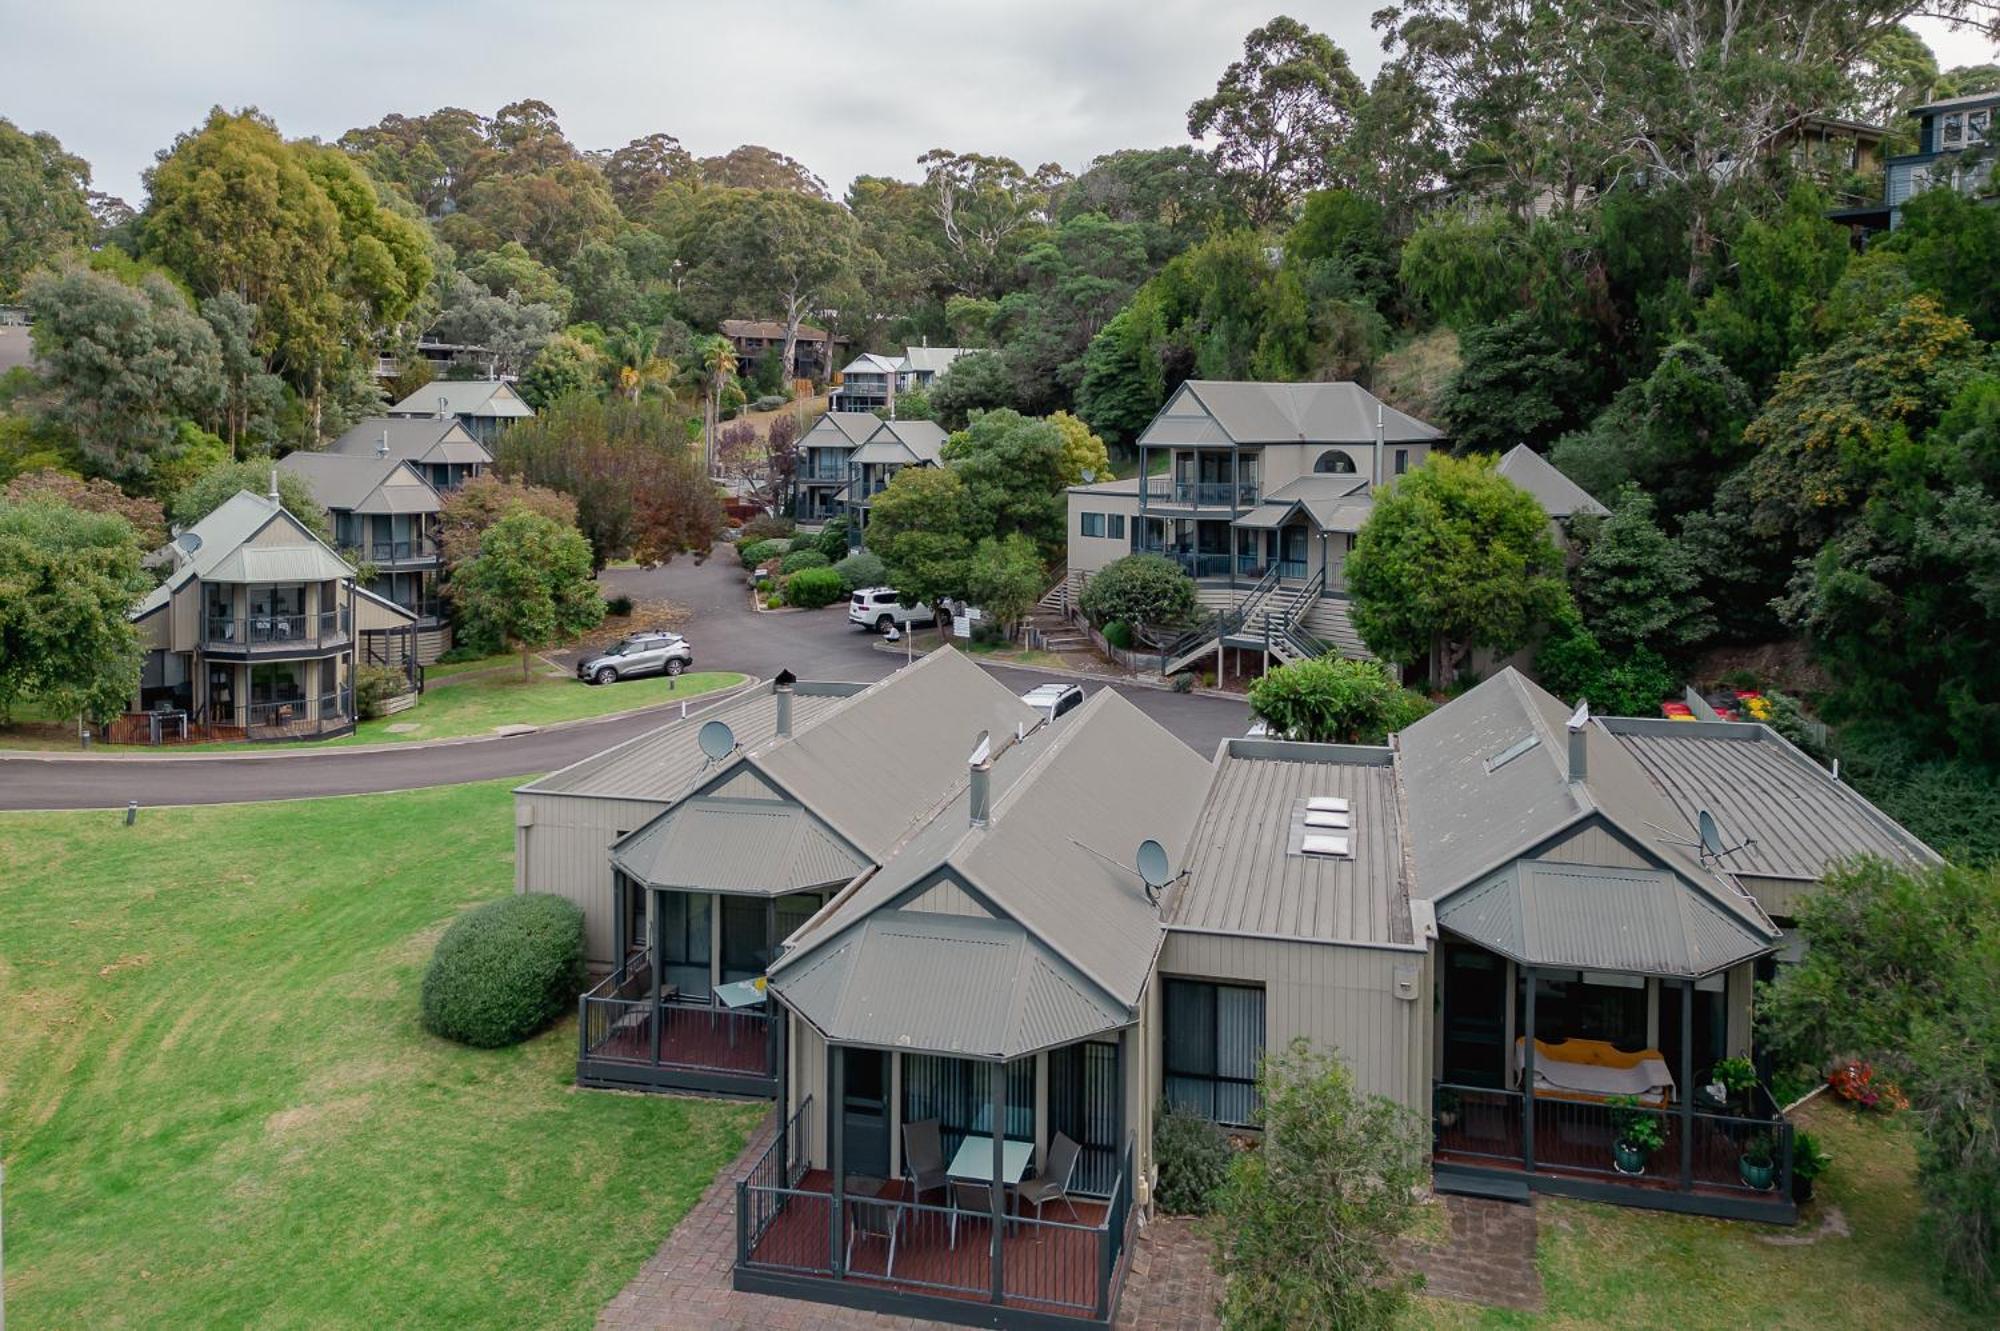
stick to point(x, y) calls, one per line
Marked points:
point(1203, 494)
point(391, 554)
point(276, 634)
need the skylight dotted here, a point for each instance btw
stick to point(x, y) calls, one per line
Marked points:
point(1315, 818)
point(1332, 847)
point(1326, 804)
point(1511, 752)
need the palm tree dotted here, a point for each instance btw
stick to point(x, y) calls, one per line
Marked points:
point(633, 351)
point(718, 363)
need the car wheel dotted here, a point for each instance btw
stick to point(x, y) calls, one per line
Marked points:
point(882, 624)
point(674, 667)
point(605, 675)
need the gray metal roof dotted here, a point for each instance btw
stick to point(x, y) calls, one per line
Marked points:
point(352, 483)
point(464, 397)
point(934, 360)
point(1245, 872)
point(1559, 496)
point(754, 847)
point(278, 563)
point(840, 429)
point(947, 984)
point(1205, 411)
point(925, 440)
point(1594, 917)
point(1757, 784)
point(660, 766)
point(217, 538)
point(413, 439)
point(890, 451)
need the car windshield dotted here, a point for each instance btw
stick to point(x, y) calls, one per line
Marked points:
point(624, 648)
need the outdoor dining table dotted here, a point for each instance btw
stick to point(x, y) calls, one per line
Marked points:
point(973, 1163)
point(735, 996)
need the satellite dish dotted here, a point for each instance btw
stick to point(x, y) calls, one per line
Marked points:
point(717, 740)
point(1153, 865)
point(1711, 835)
point(189, 541)
point(1581, 716)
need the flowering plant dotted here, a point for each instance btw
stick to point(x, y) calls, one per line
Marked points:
point(1855, 1083)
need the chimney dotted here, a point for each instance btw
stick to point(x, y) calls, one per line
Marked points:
point(382, 445)
point(781, 689)
point(444, 408)
point(274, 485)
point(981, 786)
point(1579, 751)
point(1381, 442)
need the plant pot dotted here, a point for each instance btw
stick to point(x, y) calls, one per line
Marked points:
point(1802, 1189)
point(1627, 1158)
point(1756, 1175)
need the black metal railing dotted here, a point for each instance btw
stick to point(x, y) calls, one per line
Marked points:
point(1204, 494)
point(397, 552)
point(276, 630)
point(300, 715)
point(781, 1166)
point(1220, 625)
point(624, 1020)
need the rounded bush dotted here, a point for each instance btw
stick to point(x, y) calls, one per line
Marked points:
point(764, 527)
point(811, 588)
point(504, 971)
point(799, 560)
point(1193, 1157)
point(1119, 634)
point(769, 402)
point(832, 542)
point(753, 553)
point(618, 605)
point(862, 569)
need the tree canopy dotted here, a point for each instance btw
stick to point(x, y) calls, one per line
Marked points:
point(68, 580)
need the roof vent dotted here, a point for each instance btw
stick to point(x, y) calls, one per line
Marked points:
point(781, 690)
point(1328, 847)
point(1511, 752)
point(382, 445)
point(981, 780)
point(1579, 747)
point(1323, 825)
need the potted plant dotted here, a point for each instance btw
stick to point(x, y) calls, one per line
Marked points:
point(1737, 1077)
point(1808, 1163)
point(1448, 1106)
point(1758, 1162)
point(1636, 1134)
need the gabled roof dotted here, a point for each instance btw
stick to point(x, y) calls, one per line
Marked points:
point(1204, 411)
point(752, 847)
point(1991, 97)
point(464, 397)
point(840, 429)
point(900, 443)
point(933, 360)
point(869, 362)
point(1758, 785)
point(351, 483)
point(768, 329)
point(1487, 780)
point(426, 439)
point(213, 549)
point(1559, 496)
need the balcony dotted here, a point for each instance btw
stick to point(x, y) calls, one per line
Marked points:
point(1194, 564)
point(389, 554)
point(1203, 494)
point(633, 1034)
point(300, 717)
point(275, 634)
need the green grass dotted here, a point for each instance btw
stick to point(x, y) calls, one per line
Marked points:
point(1610, 1266)
point(218, 1109)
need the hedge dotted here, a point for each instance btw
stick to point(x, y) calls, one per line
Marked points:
point(753, 553)
point(505, 970)
point(811, 588)
point(862, 569)
point(798, 560)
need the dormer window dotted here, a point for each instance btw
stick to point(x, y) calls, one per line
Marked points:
point(1975, 126)
point(1952, 130)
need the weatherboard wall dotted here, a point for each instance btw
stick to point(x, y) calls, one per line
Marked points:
point(562, 845)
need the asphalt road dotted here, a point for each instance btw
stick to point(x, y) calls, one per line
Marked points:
point(725, 632)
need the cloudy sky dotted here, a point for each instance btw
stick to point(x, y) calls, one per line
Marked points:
point(847, 86)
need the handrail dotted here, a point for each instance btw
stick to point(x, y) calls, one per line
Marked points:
point(1222, 624)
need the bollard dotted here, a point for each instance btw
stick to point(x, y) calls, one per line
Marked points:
point(131, 813)
point(86, 739)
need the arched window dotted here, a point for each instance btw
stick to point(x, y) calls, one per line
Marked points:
point(1335, 461)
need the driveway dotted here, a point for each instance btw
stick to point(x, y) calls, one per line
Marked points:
point(727, 634)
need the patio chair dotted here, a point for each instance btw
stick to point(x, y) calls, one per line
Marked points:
point(873, 1219)
point(1052, 1184)
point(975, 1199)
point(923, 1158)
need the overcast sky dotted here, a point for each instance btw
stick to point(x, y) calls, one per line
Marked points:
point(847, 86)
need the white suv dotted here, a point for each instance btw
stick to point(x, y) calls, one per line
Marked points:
point(877, 608)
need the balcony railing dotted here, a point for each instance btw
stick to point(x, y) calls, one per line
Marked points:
point(1194, 564)
point(301, 715)
point(631, 1033)
point(258, 631)
point(400, 552)
point(1203, 494)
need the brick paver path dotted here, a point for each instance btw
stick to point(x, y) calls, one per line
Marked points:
point(685, 1285)
point(1487, 1257)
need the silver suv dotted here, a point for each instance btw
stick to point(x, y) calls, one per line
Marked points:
point(650, 653)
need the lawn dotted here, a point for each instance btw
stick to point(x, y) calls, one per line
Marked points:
point(218, 1109)
point(1610, 1266)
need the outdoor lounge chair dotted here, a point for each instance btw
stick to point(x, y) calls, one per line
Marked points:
point(974, 1199)
point(874, 1219)
point(1053, 1183)
point(923, 1158)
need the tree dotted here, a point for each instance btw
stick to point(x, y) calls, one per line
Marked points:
point(510, 269)
point(1333, 700)
point(477, 504)
point(919, 525)
point(642, 168)
point(1003, 577)
point(986, 207)
point(44, 205)
point(1950, 246)
point(1277, 115)
point(564, 365)
point(975, 382)
point(753, 166)
point(1635, 586)
point(1084, 457)
point(1784, 269)
point(213, 488)
point(774, 249)
point(530, 584)
point(1012, 467)
point(252, 401)
point(145, 516)
point(1149, 590)
point(551, 211)
point(512, 330)
point(1069, 285)
point(123, 367)
point(1174, 196)
point(68, 580)
point(1902, 969)
point(1572, 664)
point(1311, 1219)
point(1516, 384)
point(1454, 558)
point(718, 368)
point(674, 506)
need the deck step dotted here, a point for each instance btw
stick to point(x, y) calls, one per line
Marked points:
point(1467, 1183)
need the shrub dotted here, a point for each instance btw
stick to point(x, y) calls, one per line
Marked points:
point(799, 560)
point(1572, 664)
point(768, 402)
point(1332, 700)
point(1183, 682)
point(832, 542)
point(505, 970)
point(1140, 589)
point(1119, 634)
point(774, 601)
point(767, 528)
point(862, 569)
point(618, 605)
point(753, 553)
point(811, 588)
point(374, 685)
point(1193, 1156)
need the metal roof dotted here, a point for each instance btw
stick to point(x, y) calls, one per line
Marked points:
point(1128, 485)
point(413, 439)
point(1245, 872)
point(869, 362)
point(947, 984)
point(1594, 917)
point(278, 563)
point(660, 766)
point(753, 847)
point(890, 451)
point(464, 397)
point(1757, 784)
point(217, 537)
point(925, 440)
point(351, 483)
point(933, 360)
point(1960, 103)
point(840, 429)
point(1559, 496)
point(1204, 411)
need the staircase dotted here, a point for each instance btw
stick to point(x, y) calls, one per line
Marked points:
point(1049, 623)
point(1228, 624)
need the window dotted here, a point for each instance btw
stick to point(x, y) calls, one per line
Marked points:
point(684, 920)
point(1093, 524)
point(1586, 1005)
point(1335, 462)
point(1402, 460)
point(1954, 129)
point(1975, 126)
point(1114, 526)
point(1214, 1038)
point(958, 1093)
point(745, 955)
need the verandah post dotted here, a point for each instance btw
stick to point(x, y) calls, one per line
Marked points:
point(1528, 1075)
point(999, 1077)
point(836, 1083)
point(656, 925)
point(1687, 1084)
